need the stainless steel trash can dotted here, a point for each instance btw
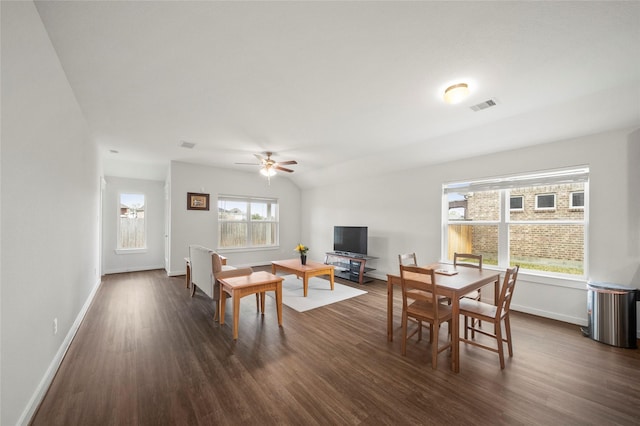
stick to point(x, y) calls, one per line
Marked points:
point(612, 314)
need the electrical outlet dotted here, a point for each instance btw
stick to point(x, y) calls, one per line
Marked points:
point(55, 326)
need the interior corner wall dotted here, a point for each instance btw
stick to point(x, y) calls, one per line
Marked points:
point(403, 212)
point(50, 216)
point(189, 227)
point(153, 256)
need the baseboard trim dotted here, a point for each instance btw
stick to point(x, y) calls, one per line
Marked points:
point(47, 379)
point(551, 315)
point(132, 269)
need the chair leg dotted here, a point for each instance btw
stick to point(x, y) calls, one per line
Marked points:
point(434, 347)
point(419, 330)
point(507, 329)
point(430, 333)
point(498, 331)
point(466, 327)
point(404, 334)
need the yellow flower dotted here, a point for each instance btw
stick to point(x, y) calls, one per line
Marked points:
point(302, 249)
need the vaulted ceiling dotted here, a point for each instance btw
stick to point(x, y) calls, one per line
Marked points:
point(345, 88)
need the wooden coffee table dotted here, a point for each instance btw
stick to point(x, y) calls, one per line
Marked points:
point(311, 269)
point(257, 282)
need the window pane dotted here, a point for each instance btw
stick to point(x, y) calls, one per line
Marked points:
point(263, 233)
point(548, 247)
point(577, 200)
point(232, 210)
point(474, 206)
point(516, 202)
point(131, 229)
point(263, 211)
point(477, 239)
point(233, 234)
point(545, 201)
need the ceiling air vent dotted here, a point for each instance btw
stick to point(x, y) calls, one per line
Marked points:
point(484, 105)
point(188, 145)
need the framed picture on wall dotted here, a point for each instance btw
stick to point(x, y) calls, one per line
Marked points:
point(196, 201)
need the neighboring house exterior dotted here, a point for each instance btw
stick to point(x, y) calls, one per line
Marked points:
point(546, 225)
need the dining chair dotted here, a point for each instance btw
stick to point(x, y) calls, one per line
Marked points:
point(407, 259)
point(495, 314)
point(415, 278)
point(469, 260)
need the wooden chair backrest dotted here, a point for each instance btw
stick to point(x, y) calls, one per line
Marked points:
point(506, 293)
point(467, 259)
point(417, 278)
point(407, 259)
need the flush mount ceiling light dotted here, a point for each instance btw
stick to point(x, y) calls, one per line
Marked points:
point(456, 93)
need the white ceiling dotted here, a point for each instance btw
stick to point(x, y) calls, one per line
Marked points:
point(344, 88)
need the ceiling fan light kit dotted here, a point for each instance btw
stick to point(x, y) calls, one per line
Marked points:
point(269, 166)
point(267, 171)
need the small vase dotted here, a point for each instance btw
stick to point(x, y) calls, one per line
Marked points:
point(303, 259)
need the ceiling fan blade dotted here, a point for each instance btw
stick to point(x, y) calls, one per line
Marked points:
point(287, 162)
point(250, 164)
point(260, 158)
point(282, 169)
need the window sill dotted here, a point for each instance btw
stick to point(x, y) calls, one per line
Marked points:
point(130, 251)
point(576, 282)
point(246, 249)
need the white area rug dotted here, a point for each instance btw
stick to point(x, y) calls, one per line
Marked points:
point(319, 294)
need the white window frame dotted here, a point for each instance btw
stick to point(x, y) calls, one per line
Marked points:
point(134, 250)
point(249, 238)
point(538, 208)
point(504, 184)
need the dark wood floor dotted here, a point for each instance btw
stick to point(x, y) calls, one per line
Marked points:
point(148, 354)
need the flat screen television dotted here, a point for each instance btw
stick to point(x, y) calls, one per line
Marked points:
point(350, 239)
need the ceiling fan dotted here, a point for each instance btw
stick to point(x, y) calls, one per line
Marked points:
point(268, 165)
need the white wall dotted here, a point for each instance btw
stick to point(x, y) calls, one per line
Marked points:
point(50, 197)
point(403, 213)
point(200, 227)
point(153, 257)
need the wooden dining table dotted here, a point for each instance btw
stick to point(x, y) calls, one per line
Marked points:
point(464, 281)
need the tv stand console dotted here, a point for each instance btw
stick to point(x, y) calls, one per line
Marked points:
point(349, 266)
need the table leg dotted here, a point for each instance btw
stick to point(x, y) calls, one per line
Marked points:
point(389, 310)
point(236, 314)
point(331, 279)
point(455, 334)
point(305, 284)
point(262, 299)
point(188, 275)
point(279, 302)
point(273, 269)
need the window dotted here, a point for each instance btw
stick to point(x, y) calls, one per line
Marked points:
point(516, 203)
point(535, 221)
point(545, 201)
point(576, 200)
point(245, 222)
point(131, 222)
